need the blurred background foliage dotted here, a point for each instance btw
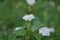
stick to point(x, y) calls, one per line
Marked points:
point(12, 11)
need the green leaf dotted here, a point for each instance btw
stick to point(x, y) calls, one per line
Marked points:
point(37, 36)
point(47, 38)
point(36, 24)
point(11, 36)
point(20, 32)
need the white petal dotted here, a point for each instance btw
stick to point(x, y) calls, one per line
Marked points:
point(32, 16)
point(25, 17)
point(18, 28)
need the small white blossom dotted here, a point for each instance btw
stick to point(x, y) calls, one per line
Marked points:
point(28, 17)
point(44, 31)
point(18, 28)
point(52, 3)
point(58, 8)
point(30, 2)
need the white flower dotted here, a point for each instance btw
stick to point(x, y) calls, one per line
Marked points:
point(18, 28)
point(30, 2)
point(44, 31)
point(58, 8)
point(28, 17)
point(52, 3)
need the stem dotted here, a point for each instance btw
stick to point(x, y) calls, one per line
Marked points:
point(28, 30)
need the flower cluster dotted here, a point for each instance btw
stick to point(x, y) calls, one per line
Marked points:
point(45, 31)
point(28, 17)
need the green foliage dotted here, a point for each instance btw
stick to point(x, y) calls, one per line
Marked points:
point(12, 11)
point(20, 32)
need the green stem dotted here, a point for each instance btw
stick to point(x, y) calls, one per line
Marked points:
point(28, 29)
